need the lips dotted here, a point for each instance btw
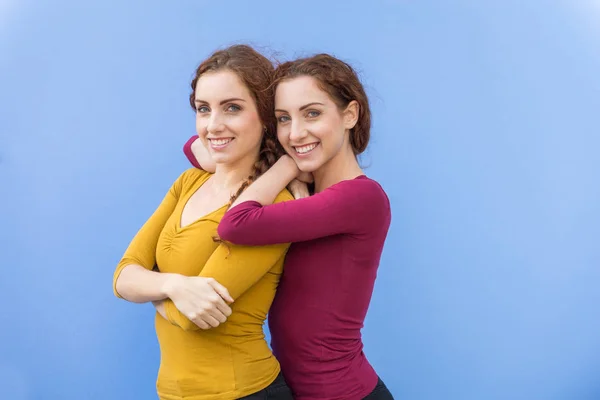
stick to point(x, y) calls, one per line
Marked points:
point(219, 143)
point(305, 149)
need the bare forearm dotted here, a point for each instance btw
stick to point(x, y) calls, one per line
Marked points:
point(139, 285)
point(266, 188)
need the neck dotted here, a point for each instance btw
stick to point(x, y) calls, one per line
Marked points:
point(341, 167)
point(229, 177)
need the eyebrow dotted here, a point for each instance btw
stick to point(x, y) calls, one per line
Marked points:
point(303, 107)
point(222, 102)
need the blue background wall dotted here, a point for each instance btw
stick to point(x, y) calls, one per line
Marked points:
point(486, 137)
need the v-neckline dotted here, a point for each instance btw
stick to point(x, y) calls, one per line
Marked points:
point(187, 200)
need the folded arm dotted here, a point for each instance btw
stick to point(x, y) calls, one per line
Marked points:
point(233, 270)
point(237, 268)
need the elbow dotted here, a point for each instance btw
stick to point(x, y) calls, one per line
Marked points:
point(123, 290)
point(226, 230)
point(230, 233)
point(240, 225)
point(119, 286)
point(189, 326)
point(189, 153)
point(176, 317)
point(236, 227)
point(124, 286)
point(118, 289)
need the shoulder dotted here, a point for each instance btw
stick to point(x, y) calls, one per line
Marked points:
point(188, 179)
point(364, 190)
point(366, 196)
point(284, 195)
point(192, 175)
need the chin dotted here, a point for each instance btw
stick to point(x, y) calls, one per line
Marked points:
point(221, 158)
point(308, 165)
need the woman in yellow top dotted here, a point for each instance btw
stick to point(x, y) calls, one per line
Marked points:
point(211, 349)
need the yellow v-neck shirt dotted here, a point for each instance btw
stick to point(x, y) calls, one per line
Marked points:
point(232, 360)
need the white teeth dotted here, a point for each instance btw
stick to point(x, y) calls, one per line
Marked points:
point(305, 149)
point(220, 142)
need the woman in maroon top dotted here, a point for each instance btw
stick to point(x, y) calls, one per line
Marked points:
point(337, 233)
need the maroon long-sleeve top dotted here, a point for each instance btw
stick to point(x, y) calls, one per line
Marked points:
point(329, 273)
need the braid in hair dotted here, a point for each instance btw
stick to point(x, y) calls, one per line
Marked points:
point(270, 152)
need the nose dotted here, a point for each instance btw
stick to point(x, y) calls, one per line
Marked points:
point(298, 131)
point(215, 123)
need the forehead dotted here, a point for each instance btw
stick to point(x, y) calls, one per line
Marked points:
point(299, 91)
point(213, 86)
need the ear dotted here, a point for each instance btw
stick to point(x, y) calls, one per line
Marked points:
point(350, 114)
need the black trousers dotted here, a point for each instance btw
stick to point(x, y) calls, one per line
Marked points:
point(278, 390)
point(381, 392)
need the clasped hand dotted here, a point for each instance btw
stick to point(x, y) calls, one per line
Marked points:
point(204, 301)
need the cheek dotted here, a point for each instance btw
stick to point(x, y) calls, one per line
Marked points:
point(245, 123)
point(283, 136)
point(248, 129)
point(200, 126)
point(331, 134)
point(325, 130)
